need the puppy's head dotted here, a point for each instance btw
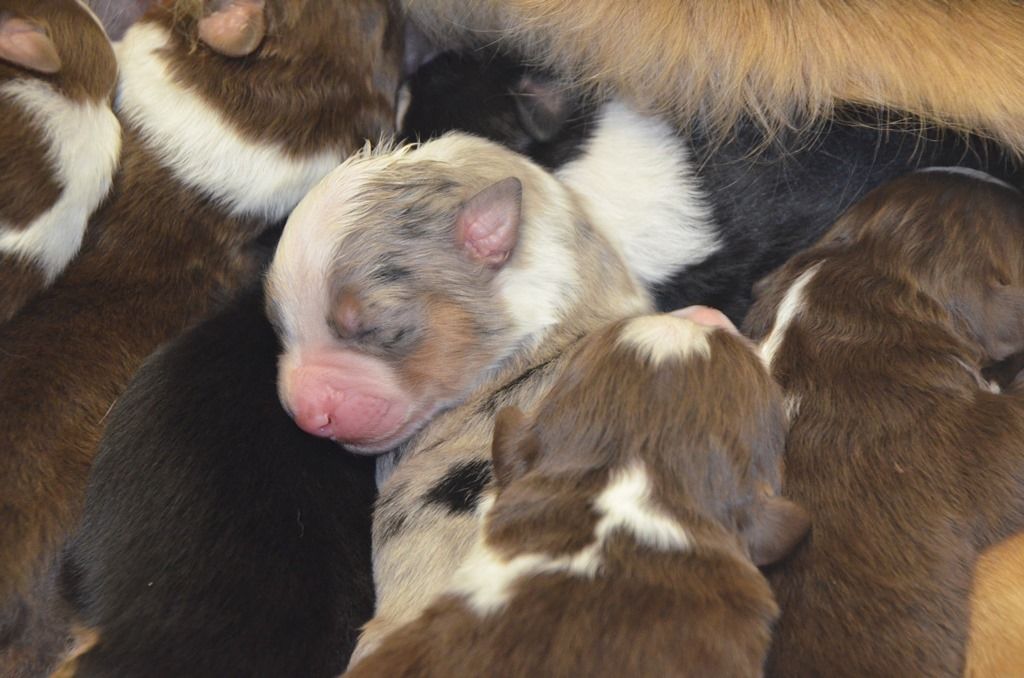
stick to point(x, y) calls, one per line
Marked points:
point(60, 42)
point(404, 276)
point(949, 235)
point(687, 398)
point(311, 75)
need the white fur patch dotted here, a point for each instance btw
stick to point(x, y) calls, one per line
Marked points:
point(636, 184)
point(973, 173)
point(199, 145)
point(792, 304)
point(485, 579)
point(84, 146)
point(657, 338)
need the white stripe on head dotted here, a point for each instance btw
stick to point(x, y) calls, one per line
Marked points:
point(200, 147)
point(657, 338)
point(791, 306)
point(84, 142)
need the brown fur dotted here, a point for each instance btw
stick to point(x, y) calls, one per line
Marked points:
point(293, 107)
point(158, 256)
point(708, 432)
point(908, 462)
point(959, 63)
point(29, 185)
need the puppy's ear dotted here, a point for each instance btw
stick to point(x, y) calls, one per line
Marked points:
point(778, 526)
point(487, 226)
point(27, 44)
point(234, 28)
point(542, 105)
point(514, 448)
point(1003, 332)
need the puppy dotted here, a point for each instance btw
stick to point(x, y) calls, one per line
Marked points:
point(416, 292)
point(909, 462)
point(698, 220)
point(782, 65)
point(59, 139)
point(626, 515)
point(224, 131)
point(268, 529)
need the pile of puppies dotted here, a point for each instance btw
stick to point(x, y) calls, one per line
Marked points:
point(540, 475)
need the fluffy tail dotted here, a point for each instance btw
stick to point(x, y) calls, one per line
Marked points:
point(784, 63)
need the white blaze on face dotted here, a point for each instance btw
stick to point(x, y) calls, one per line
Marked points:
point(199, 145)
point(84, 145)
point(792, 304)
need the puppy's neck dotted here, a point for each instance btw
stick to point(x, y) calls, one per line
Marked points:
point(199, 145)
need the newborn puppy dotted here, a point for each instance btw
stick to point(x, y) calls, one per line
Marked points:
point(416, 292)
point(910, 462)
point(59, 140)
point(628, 514)
point(217, 538)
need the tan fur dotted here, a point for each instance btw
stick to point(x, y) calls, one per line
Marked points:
point(783, 63)
point(996, 646)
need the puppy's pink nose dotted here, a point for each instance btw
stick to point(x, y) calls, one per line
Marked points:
point(326, 406)
point(705, 315)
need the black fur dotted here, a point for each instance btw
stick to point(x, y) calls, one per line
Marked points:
point(218, 539)
point(477, 93)
point(459, 490)
point(768, 201)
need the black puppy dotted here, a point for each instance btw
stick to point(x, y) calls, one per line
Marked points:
point(219, 539)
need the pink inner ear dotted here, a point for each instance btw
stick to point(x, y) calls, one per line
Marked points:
point(236, 30)
point(26, 44)
point(488, 225)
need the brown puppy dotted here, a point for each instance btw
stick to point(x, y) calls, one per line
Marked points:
point(909, 462)
point(959, 62)
point(626, 517)
point(217, 148)
point(59, 140)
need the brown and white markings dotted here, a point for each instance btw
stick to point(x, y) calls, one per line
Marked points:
point(910, 462)
point(59, 140)
point(217, 148)
point(415, 293)
point(627, 516)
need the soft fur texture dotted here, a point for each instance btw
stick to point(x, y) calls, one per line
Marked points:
point(782, 64)
point(697, 220)
point(217, 538)
point(375, 272)
point(626, 508)
point(910, 462)
point(165, 248)
point(59, 142)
